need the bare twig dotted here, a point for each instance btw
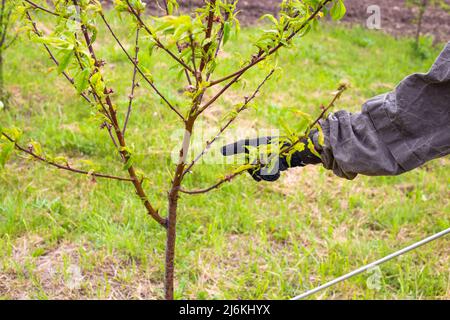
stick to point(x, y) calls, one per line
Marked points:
point(36, 6)
point(194, 64)
point(166, 7)
point(133, 82)
point(214, 186)
point(62, 167)
point(144, 76)
point(11, 41)
point(108, 127)
point(336, 97)
point(219, 94)
point(157, 41)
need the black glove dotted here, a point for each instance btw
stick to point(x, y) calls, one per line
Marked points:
point(279, 164)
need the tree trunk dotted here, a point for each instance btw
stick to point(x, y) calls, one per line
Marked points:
point(172, 213)
point(170, 246)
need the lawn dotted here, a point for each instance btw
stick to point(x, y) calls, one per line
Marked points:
point(65, 236)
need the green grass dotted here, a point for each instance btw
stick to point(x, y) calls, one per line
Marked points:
point(247, 240)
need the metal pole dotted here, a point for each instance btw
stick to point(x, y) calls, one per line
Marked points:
point(373, 264)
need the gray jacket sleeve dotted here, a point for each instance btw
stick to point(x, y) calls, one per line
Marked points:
point(395, 132)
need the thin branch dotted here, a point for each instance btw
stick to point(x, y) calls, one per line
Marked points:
point(43, 9)
point(219, 40)
point(140, 71)
point(215, 186)
point(61, 167)
point(219, 94)
point(158, 42)
point(336, 97)
point(330, 105)
point(95, 94)
point(52, 56)
point(6, 46)
point(229, 122)
point(186, 72)
point(194, 65)
point(261, 56)
point(108, 127)
point(166, 7)
point(133, 82)
point(208, 33)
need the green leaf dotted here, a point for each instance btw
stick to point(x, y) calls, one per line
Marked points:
point(226, 32)
point(37, 148)
point(338, 10)
point(6, 150)
point(147, 73)
point(312, 148)
point(82, 80)
point(270, 18)
point(321, 137)
point(128, 164)
point(61, 160)
point(171, 6)
point(64, 62)
point(243, 168)
point(151, 48)
point(13, 132)
point(97, 82)
point(289, 157)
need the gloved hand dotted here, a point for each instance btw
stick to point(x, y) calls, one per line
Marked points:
point(280, 163)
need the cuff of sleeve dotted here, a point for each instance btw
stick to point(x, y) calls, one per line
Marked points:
point(327, 157)
point(389, 133)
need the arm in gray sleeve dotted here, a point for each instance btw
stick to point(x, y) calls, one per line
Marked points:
point(395, 132)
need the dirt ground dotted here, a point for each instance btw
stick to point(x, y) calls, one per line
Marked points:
point(396, 18)
point(399, 20)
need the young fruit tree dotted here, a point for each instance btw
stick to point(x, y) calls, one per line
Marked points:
point(422, 6)
point(7, 38)
point(193, 41)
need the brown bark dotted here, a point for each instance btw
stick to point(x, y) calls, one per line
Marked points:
point(172, 214)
